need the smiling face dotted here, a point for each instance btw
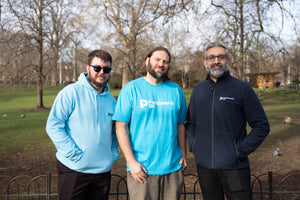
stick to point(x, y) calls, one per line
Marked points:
point(98, 79)
point(216, 62)
point(158, 64)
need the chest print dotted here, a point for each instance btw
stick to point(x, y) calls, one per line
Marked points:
point(152, 104)
point(226, 98)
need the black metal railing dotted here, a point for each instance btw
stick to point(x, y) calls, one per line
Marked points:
point(271, 186)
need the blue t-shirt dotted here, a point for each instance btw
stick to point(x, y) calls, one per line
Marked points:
point(153, 112)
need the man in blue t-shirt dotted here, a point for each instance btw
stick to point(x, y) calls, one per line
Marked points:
point(154, 111)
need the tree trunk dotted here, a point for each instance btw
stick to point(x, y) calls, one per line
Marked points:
point(54, 70)
point(242, 71)
point(40, 104)
point(125, 74)
point(125, 77)
point(75, 64)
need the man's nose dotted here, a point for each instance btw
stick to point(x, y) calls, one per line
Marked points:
point(101, 71)
point(161, 63)
point(217, 60)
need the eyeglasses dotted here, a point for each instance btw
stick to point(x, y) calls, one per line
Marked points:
point(212, 58)
point(99, 68)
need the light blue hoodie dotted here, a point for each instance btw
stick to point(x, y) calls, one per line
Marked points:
point(80, 126)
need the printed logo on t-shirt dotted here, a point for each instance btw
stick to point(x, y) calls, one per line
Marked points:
point(152, 104)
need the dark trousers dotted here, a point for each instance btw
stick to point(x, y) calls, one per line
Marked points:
point(81, 186)
point(235, 184)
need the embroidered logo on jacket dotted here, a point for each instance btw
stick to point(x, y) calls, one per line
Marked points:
point(152, 104)
point(226, 98)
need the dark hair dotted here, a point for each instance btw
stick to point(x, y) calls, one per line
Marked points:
point(99, 53)
point(215, 44)
point(159, 48)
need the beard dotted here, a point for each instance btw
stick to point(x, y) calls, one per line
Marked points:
point(158, 75)
point(217, 72)
point(97, 84)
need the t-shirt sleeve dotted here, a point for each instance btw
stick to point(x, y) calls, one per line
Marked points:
point(124, 105)
point(183, 108)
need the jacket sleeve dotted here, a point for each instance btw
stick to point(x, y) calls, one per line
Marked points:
point(257, 120)
point(56, 128)
point(190, 122)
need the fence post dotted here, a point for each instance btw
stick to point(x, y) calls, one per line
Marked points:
point(270, 179)
point(48, 186)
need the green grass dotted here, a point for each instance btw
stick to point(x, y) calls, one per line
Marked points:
point(279, 104)
point(14, 101)
point(28, 136)
point(20, 98)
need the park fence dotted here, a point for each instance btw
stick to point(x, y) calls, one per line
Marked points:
point(267, 186)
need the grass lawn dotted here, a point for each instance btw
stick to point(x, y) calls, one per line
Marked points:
point(25, 147)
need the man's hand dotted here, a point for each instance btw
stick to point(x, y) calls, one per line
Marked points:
point(183, 162)
point(138, 172)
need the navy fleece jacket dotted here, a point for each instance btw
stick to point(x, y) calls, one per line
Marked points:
point(216, 123)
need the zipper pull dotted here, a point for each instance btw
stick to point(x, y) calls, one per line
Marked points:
point(213, 88)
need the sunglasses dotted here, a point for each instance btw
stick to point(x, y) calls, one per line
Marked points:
point(98, 69)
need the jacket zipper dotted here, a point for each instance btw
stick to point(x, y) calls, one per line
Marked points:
point(212, 127)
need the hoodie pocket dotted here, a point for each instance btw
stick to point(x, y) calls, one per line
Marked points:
point(95, 160)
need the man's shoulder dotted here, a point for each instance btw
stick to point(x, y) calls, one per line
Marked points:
point(202, 83)
point(68, 88)
point(73, 89)
point(135, 82)
point(171, 84)
point(130, 87)
point(239, 82)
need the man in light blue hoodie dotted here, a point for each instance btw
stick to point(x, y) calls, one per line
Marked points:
point(80, 126)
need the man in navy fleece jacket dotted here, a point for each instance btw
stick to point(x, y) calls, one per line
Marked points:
point(219, 110)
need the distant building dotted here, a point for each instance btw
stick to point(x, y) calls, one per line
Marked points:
point(263, 79)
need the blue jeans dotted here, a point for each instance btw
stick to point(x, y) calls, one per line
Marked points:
point(235, 184)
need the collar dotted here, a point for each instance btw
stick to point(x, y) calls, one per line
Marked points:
point(223, 77)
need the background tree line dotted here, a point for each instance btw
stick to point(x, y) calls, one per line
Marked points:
point(45, 42)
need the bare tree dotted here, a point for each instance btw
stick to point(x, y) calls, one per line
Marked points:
point(30, 17)
point(284, 65)
point(295, 62)
point(16, 57)
point(57, 35)
point(131, 18)
point(174, 37)
point(239, 23)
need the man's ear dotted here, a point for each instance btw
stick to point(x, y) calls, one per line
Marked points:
point(87, 67)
